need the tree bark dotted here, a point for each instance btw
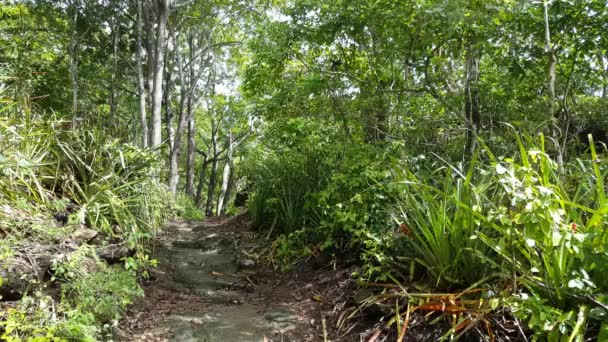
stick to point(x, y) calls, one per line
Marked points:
point(225, 177)
point(552, 113)
point(201, 181)
point(551, 66)
point(213, 175)
point(113, 80)
point(229, 189)
point(190, 158)
point(159, 61)
point(169, 110)
point(193, 80)
point(150, 55)
point(141, 88)
point(604, 64)
point(176, 141)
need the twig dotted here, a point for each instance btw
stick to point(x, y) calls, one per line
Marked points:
point(521, 331)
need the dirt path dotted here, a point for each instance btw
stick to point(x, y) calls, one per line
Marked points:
point(205, 290)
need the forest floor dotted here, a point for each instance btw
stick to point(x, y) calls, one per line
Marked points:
point(207, 289)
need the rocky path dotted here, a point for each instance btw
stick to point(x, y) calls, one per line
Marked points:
point(205, 290)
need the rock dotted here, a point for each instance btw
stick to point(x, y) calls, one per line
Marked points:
point(281, 320)
point(113, 254)
point(118, 334)
point(29, 264)
point(13, 285)
point(240, 199)
point(362, 294)
point(246, 263)
point(83, 235)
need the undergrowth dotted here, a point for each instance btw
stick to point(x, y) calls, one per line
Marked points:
point(55, 180)
point(517, 229)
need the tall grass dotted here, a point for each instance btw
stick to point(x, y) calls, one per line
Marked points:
point(442, 220)
point(539, 229)
point(283, 185)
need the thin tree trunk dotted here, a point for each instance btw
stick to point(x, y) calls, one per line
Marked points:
point(169, 110)
point(551, 66)
point(552, 114)
point(225, 177)
point(191, 120)
point(159, 61)
point(173, 138)
point(604, 64)
point(471, 102)
point(224, 188)
point(190, 158)
point(211, 189)
point(213, 175)
point(201, 181)
point(113, 79)
point(229, 188)
point(141, 88)
point(175, 150)
point(150, 55)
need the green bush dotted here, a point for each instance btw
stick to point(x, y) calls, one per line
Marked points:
point(44, 165)
point(336, 202)
point(551, 242)
point(94, 295)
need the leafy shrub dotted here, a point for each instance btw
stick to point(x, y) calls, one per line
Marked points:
point(113, 182)
point(92, 286)
point(93, 295)
point(549, 242)
point(344, 210)
point(44, 164)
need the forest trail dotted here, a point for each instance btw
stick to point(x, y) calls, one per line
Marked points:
point(206, 290)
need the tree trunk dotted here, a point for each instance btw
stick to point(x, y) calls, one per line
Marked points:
point(191, 123)
point(141, 88)
point(150, 54)
point(225, 177)
point(471, 102)
point(604, 64)
point(551, 66)
point(213, 175)
point(552, 114)
point(174, 136)
point(113, 79)
point(229, 189)
point(190, 158)
point(201, 181)
point(176, 141)
point(159, 62)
